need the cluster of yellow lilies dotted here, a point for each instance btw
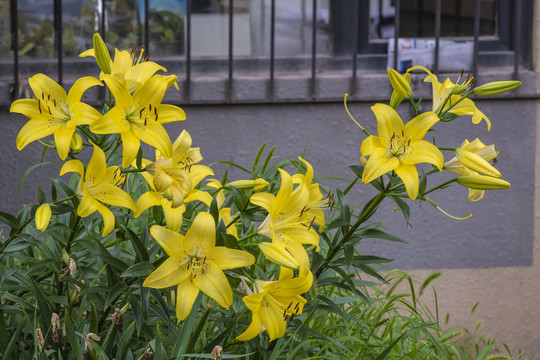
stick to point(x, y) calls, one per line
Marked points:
point(194, 261)
point(399, 147)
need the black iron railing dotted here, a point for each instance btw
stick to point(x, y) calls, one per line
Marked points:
point(510, 12)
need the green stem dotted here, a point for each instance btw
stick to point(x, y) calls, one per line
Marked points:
point(439, 186)
point(248, 237)
point(447, 149)
point(442, 113)
point(366, 214)
point(413, 106)
point(134, 171)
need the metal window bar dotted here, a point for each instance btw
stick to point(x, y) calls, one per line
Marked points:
point(359, 36)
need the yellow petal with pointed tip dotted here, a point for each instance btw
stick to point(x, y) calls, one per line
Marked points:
point(214, 283)
point(227, 258)
point(185, 297)
point(170, 241)
point(172, 272)
point(409, 175)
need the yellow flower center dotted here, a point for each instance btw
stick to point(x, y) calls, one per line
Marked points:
point(59, 110)
point(197, 266)
point(141, 115)
point(399, 146)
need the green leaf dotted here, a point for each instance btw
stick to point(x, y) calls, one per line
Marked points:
point(42, 198)
point(138, 246)
point(234, 165)
point(422, 182)
point(344, 209)
point(117, 290)
point(405, 209)
point(143, 268)
point(229, 240)
point(184, 334)
point(60, 208)
point(357, 169)
point(73, 341)
point(449, 117)
point(385, 352)
point(348, 251)
point(14, 339)
point(45, 311)
point(26, 173)
point(138, 161)
point(370, 233)
point(124, 342)
point(214, 210)
point(257, 157)
point(162, 310)
point(238, 198)
point(10, 220)
point(93, 318)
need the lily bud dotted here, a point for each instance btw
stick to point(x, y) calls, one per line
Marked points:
point(476, 163)
point(76, 143)
point(400, 83)
point(459, 89)
point(245, 185)
point(103, 58)
point(395, 99)
point(496, 87)
point(43, 216)
point(278, 255)
point(480, 182)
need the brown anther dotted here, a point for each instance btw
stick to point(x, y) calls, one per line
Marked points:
point(409, 142)
point(149, 107)
point(495, 161)
point(133, 49)
point(290, 304)
point(50, 113)
point(311, 223)
point(42, 96)
point(156, 117)
point(49, 97)
point(285, 313)
point(402, 133)
point(473, 83)
point(297, 306)
point(304, 225)
point(144, 121)
point(146, 57)
point(292, 318)
point(140, 112)
point(54, 102)
point(155, 110)
point(39, 106)
point(303, 210)
point(204, 260)
point(461, 73)
point(180, 162)
point(194, 276)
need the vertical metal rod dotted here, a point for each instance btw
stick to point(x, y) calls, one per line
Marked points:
point(355, 27)
point(313, 47)
point(517, 22)
point(230, 81)
point(187, 89)
point(437, 35)
point(58, 38)
point(14, 46)
point(102, 27)
point(396, 33)
point(146, 26)
point(476, 36)
point(272, 46)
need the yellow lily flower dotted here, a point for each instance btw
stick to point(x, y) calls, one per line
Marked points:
point(399, 147)
point(195, 264)
point(289, 222)
point(273, 302)
point(133, 66)
point(139, 117)
point(99, 184)
point(316, 200)
point(174, 180)
point(54, 112)
point(482, 154)
point(444, 96)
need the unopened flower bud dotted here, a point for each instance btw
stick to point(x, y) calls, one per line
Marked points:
point(496, 87)
point(476, 163)
point(480, 182)
point(103, 58)
point(246, 185)
point(459, 89)
point(76, 143)
point(72, 266)
point(43, 216)
point(400, 83)
point(278, 255)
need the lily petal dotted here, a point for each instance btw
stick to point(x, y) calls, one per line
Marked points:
point(227, 258)
point(171, 242)
point(388, 121)
point(33, 130)
point(80, 86)
point(253, 329)
point(378, 164)
point(172, 272)
point(424, 151)
point(185, 298)
point(409, 175)
point(417, 128)
point(201, 236)
point(214, 283)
